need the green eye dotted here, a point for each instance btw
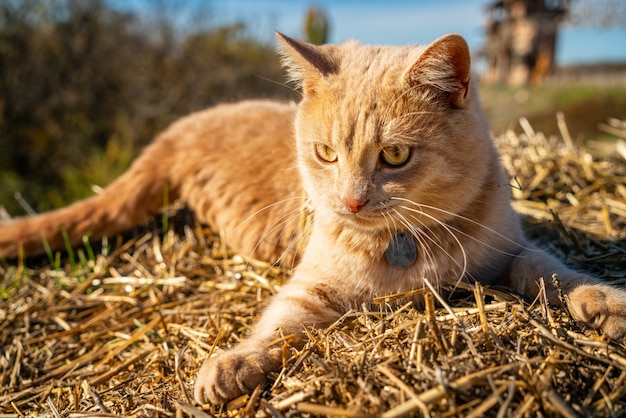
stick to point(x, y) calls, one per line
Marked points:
point(325, 153)
point(395, 155)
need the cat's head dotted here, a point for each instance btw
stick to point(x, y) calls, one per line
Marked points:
point(381, 129)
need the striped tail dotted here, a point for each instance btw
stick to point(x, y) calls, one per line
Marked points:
point(125, 203)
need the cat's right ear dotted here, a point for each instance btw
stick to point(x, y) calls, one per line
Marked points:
point(445, 65)
point(307, 63)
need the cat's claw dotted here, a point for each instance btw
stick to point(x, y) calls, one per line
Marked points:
point(601, 307)
point(229, 375)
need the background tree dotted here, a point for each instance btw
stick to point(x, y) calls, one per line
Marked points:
point(598, 13)
point(316, 26)
point(521, 39)
point(83, 87)
point(522, 35)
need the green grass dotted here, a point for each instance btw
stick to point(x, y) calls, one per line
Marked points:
point(584, 106)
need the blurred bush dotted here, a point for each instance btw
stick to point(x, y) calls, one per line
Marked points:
point(83, 87)
point(316, 26)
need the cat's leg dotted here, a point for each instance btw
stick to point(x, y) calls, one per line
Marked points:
point(597, 304)
point(240, 369)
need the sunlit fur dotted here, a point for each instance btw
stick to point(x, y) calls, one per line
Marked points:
point(251, 171)
point(451, 194)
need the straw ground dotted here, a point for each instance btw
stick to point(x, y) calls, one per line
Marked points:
point(101, 333)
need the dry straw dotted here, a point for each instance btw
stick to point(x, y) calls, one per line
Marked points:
point(124, 334)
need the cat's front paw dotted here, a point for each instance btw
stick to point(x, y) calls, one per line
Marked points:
point(602, 307)
point(231, 374)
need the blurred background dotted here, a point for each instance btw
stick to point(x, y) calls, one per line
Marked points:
point(86, 84)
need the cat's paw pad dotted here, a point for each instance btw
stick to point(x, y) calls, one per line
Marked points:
point(602, 307)
point(228, 375)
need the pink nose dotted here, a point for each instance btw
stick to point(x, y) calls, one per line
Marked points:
point(354, 205)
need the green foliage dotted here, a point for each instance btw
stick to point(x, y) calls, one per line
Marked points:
point(83, 87)
point(10, 283)
point(316, 26)
point(584, 105)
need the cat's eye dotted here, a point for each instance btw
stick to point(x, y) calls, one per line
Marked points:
point(325, 153)
point(395, 155)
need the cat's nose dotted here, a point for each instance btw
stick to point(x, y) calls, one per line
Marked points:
point(354, 205)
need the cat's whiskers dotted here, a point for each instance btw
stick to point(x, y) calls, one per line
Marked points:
point(388, 217)
point(279, 224)
point(278, 83)
point(420, 210)
point(266, 207)
point(425, 248)
point(292, 247)
point(449, 228)
point(431, 237)
point(418, 233)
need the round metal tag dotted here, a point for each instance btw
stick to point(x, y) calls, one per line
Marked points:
point(402, 251)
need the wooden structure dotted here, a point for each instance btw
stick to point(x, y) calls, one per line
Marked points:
point(521, 39)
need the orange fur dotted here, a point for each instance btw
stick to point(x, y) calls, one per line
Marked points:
point(199, 160)
point(385, 139)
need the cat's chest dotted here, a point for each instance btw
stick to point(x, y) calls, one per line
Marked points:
point(372, 267)
point(375, 266)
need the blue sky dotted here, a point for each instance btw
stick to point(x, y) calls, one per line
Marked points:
point(402, 22)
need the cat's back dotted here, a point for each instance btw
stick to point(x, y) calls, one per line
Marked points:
point(244, 138)
point(235, 167)
point(229, 123)
point(225, 163)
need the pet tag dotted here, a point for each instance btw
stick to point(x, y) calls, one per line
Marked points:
point(402, 251)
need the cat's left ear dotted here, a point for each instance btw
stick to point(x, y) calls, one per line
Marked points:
point(445, 65)
point(307, 63)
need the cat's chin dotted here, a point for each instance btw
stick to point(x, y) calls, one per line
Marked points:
point(364, 223)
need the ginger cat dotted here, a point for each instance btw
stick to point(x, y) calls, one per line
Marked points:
point(393, 153)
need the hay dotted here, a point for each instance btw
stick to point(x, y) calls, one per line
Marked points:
point(125, 333)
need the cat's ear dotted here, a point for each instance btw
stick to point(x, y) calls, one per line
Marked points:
point(445, 65)
point(307, 63)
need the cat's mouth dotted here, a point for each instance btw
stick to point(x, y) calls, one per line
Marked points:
point(382, 220)
point(367, 220)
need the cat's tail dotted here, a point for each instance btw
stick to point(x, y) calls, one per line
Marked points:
point(126, 202)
